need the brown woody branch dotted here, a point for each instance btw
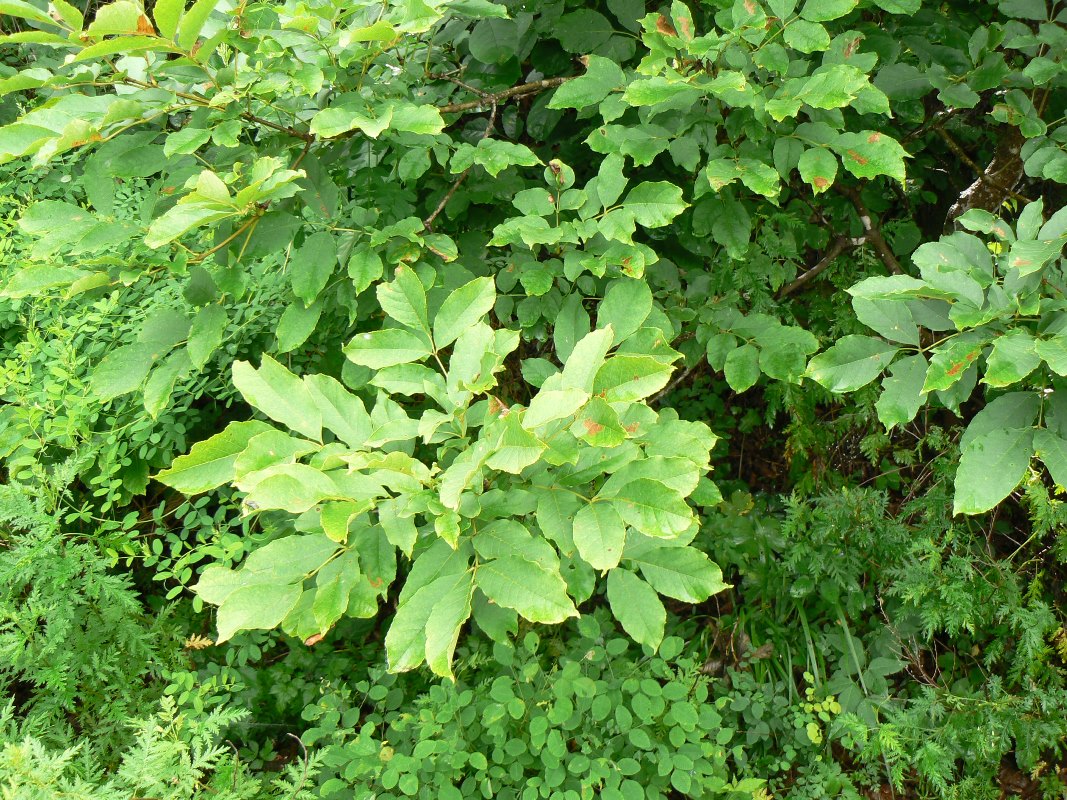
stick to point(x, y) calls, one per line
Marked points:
point(496, 98)
point(837, 247)
point(871, 233)
point(428, 222)
point(961, 154)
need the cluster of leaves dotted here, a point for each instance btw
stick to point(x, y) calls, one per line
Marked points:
point(581, 714)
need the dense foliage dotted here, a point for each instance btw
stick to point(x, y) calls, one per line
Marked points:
point(475, 398)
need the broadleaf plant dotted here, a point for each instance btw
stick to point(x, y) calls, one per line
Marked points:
point(495, 503)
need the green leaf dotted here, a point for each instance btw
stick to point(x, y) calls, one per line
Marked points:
point(1031, 256)
point(386, 348)
point(1014, 356)
point(549, 405)
point(364, 267)
point(611, 180)
point(1011, 410)
point(193, 21)
point(601, 76)
point(210, 463)
point(205, 334)
point(406, 643)
point(180, 220)
point(637, 607)
point(338, 120)
point(37, 278)
point(899, 6)
point(493, 41)
point(818, 167)
point(404, 299)
point(268, 449)
point(1054, 353)
point(852, 362)
point(119, 17)
point(279, 394)
point(571, 324)
point(759, 177)
point(516, 449)
point(721, 172)
point(868, 154)
point(951, 360)
point(450, 610)
point(1052, 450)
point(660, 91)
point(342, 412)
point(891, 318)
point(167, 13)
point(538, 594)
point(289, 559)
point(683, 573)
point(655, 203)
point(628, 378)
point(260, 606)
point(463, 308)
point(584, 361)
point(312, 265)
point(827, 10)
point(902, 81)
point(495, 155)
point(599, 535)
point(806, 37)
point(902, 392)
point(598, 424)
point(583, 31)
point(653, 508)
point(742, 368)
point(991, 466)
point(296, 324)
point(625, 307)
point(123, 369)
point(295, 488)
point(410, 118)
point(159, 388)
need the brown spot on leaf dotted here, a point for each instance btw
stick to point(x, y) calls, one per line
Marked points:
point(592, 427)
point(955, 369)
point(873, 138)
point(851, 47)
point(313, 640)
point(858, 158)
point(631, 428)
point(144, 26)
point(1019, 261)
point(820, 182)
point(663, 25)
point(686, 25)
point(750, 6)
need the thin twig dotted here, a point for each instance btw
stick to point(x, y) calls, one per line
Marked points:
point(427, 223)
point(241, 229)
point(837, 247)
point(955, 147)
point(683, 376)
point(871, 232)
point(498, 97)
point(450, 77)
